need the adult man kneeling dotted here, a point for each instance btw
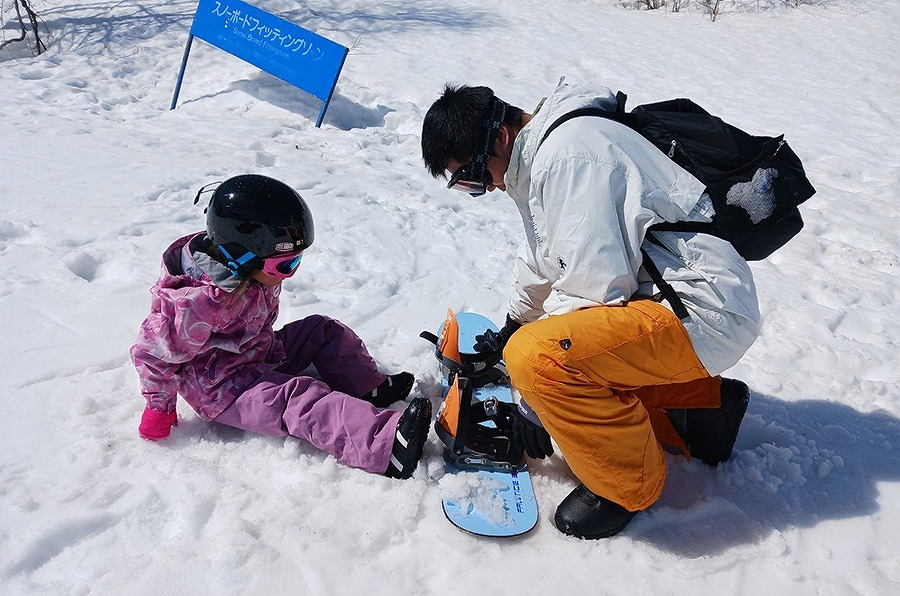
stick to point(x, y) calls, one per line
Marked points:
point(602, 364)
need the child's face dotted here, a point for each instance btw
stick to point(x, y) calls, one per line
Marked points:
point(265, 279)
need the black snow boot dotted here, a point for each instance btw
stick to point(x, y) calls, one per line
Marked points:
point(585, 515)
point(710, 433)
point(412, 431)
point(394, 388)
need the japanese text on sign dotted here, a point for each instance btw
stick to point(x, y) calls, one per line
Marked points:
point(260, 33)
point(277, 46)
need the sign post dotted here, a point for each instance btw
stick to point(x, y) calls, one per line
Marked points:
point(287, 51)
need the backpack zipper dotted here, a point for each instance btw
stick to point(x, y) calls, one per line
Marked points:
point(690, 165)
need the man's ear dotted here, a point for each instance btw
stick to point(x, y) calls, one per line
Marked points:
point(504, 140)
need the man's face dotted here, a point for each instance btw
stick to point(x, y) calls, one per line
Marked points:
point(497, 166)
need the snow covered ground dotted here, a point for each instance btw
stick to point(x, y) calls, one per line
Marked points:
point(97, 176)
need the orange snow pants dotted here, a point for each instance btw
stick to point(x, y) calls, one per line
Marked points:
point(600, 380)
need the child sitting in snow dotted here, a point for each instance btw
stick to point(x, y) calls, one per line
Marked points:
point(209, 337)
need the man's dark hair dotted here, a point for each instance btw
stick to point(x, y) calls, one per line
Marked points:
point(451, 126)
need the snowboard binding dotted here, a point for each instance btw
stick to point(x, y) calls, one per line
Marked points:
point(475, 426)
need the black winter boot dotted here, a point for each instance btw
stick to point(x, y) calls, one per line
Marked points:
point(710, 433)
point(412, 431)
point(585, 515)
point(394, 388)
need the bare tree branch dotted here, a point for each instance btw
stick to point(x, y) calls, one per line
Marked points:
point(21, 27)
point(33, 21)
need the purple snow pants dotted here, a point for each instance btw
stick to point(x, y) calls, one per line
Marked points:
point(326, 413)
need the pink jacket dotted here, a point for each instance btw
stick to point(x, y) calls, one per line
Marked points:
point(201, 341)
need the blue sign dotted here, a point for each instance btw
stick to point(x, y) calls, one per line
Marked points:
point(291, 53)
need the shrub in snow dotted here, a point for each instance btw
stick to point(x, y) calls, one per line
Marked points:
point(714, 8)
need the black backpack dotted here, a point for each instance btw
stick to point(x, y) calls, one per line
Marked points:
point(755, 182)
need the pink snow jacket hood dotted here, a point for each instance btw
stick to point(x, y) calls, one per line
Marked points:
point(201, 339)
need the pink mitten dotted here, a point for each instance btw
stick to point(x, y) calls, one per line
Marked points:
point(155, 425)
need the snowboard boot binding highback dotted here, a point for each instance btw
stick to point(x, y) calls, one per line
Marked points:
point(475, 427)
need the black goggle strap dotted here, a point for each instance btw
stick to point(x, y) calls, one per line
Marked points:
point(492, 123)
point(234, 264)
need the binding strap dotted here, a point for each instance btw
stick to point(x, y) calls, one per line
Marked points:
point(475, 432)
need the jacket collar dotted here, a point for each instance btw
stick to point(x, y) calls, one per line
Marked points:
point(564, 99)
point(183, 265)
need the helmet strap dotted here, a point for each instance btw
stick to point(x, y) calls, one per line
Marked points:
point(237, 265)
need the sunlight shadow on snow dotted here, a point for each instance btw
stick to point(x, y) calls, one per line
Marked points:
point(389, 17)
point(795, 464)
point(93, 28)
point(346, 114)
point(53, 542)
point(343, 113)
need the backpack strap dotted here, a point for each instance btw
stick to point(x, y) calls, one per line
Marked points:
point(699, 227)
point(667, 291)
point(620, 101)
point(619, 115)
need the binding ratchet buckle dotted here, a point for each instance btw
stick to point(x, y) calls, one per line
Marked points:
point(477, 433)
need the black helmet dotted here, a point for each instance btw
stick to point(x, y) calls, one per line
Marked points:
point(251, 217)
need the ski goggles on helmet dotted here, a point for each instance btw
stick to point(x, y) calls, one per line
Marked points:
point(474, 178)
point(278, 266)
point(282, 266)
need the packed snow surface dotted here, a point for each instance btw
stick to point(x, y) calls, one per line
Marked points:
point(99, 176)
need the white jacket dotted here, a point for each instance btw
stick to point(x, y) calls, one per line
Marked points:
point(587, 198)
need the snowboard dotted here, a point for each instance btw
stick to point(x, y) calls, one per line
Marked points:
point(486, 489)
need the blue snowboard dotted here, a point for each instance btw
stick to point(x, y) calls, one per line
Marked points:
point(484, 497)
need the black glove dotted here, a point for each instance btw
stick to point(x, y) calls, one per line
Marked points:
point(492, 342)
point(531, 437)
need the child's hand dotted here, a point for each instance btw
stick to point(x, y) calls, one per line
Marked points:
point(155, 425)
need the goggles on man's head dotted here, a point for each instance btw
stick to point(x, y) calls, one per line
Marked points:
point(473, 178)
point(462, 181)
